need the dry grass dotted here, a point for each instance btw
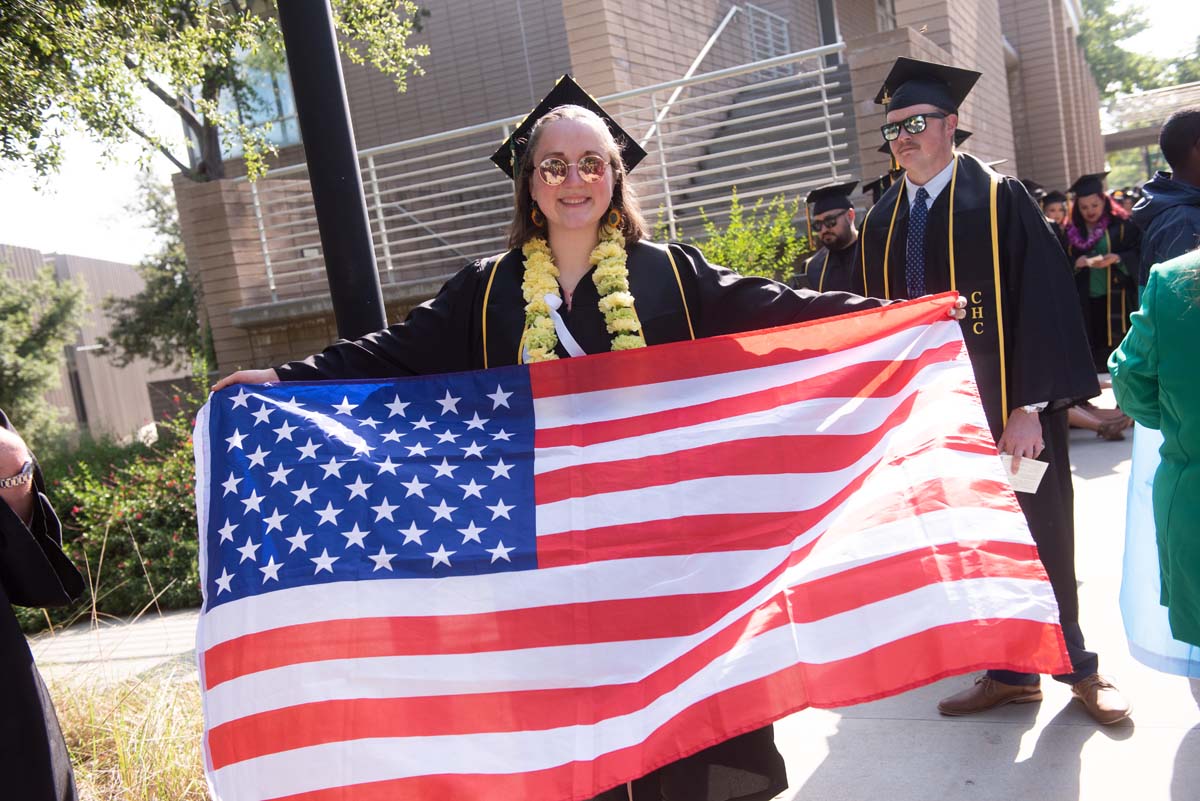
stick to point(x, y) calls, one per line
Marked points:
point(138, 740)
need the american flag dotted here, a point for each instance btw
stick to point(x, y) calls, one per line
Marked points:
point(540, 582)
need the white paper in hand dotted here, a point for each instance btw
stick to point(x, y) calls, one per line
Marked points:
point(1029, 473)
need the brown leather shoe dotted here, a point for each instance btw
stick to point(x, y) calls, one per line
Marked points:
point(987, 693)
point(1101, 699)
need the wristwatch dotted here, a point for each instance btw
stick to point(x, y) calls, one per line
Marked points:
point(1034, 408)
point(23, 477)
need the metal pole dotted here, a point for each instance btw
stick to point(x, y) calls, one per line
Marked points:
point(377, 202)
point(324, 116)
point(662, 170)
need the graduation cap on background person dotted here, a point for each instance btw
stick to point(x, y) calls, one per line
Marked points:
point(911, 82)
point(827, 198)
point(1053, 196)
point(565, 93)
point(1090, 184)
point(881, 184)
point(1036, 190)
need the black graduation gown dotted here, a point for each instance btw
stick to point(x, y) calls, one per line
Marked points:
point(1106, 319)
point(476, 321)
point(1023, 328)
point(33, 572)
point(829, 270)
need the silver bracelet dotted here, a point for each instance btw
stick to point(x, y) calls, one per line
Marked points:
point(23, 477)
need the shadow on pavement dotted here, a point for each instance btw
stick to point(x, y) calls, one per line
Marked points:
point(1092, 457)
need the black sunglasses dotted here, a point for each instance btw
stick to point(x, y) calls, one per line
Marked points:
point(830, 222)
point(914, 125)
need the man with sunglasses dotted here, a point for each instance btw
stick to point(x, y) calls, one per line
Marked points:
point(951, 222)
point(832, 220)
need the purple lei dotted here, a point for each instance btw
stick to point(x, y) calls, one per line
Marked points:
point(1075, 237)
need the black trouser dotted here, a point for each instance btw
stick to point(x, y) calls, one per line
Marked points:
point(1051, 516)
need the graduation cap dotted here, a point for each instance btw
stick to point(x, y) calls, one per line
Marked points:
point(565, 93)
point(833, 196)
point(1053, 196)
point(1091, 184)
point(881, 184)
point(1034, 188)
point(912, 82)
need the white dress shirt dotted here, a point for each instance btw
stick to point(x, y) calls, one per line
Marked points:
point(934, 186)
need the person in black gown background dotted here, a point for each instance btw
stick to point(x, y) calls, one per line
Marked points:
point(832, 218)
point(569, 161)
point(951, 222)
point(33, 572)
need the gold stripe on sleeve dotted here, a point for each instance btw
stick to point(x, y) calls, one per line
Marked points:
point(487, 293)
point(999, 306)
point(683, 297)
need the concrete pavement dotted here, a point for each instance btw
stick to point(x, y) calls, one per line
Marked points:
point(901, 749)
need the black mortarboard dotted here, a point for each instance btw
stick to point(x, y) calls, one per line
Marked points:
point(565, 93)
point(1091, 184)
point(913, 82)
point(834, 196)
point(1034, 188)
point(1053, 196)
point(880, 185)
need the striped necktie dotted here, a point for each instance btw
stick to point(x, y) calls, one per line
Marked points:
point(914, 263)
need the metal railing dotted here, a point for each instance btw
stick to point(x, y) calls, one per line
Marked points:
point(436, 202)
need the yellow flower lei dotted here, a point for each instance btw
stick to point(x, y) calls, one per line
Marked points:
point(611, 278)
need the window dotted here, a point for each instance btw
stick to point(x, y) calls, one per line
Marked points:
point(266, 100)
point(885, 14)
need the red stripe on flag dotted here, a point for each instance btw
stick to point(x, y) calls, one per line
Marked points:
point(353, 719)
point(733, 352)
point(865, 380)
point(910, 662)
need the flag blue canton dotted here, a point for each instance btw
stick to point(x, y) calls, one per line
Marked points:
point(410, 478)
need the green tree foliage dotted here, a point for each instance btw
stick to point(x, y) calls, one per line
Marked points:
point(159, 323)
point(1105, 26)
point(86, 64)
point(761, 240)
point(38, 318)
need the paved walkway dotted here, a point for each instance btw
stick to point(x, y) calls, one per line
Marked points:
point(900, 749)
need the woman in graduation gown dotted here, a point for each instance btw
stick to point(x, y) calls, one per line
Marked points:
point(1104, 247)
point(580, 278)
point(33, 572)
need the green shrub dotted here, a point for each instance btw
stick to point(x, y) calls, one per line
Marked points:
point(759, 241)
point(129, 524)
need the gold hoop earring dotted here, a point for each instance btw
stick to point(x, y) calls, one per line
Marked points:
point(614, 218)
point(536, 216)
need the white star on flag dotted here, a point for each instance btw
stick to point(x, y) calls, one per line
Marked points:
point(414, 487)
point(248, 550)
point(382, 560)
point(284, 432)
point(328, 514)
point(370, 422)
point(443, 512)
point(275, 521)
point(332, 468)
point(355, 536)
point(271, 569)
point(502, 435)
point(298, 540)
point(345, 407)
point(500, 398)
point(309, 450)
point(254, 501)
point(230, 484)
point(304, 494)
point(501, 510)
point(474, 449)
point(473, 489)
point(396, 407)
point(441, 556)
point(471, 533)
point(259, 457)
point(500, 469)
point(324, 561)
point(392, 436)
point(449, 404)
point(241, 398)
point(383, 510)
point(387, 466)
point(262, 414)
point(476, 422)
point(359, 488)
point(500, 552)
point(417, 450)
point(226, 530)
point(446, 436)
point(413, 534)
point(445, 468)
point(279, 475)
point(235, 441)
point(223, 581)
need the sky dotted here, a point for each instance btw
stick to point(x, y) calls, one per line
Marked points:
point(83, 210)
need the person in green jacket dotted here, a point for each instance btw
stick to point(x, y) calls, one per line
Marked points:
point(1156, 382)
